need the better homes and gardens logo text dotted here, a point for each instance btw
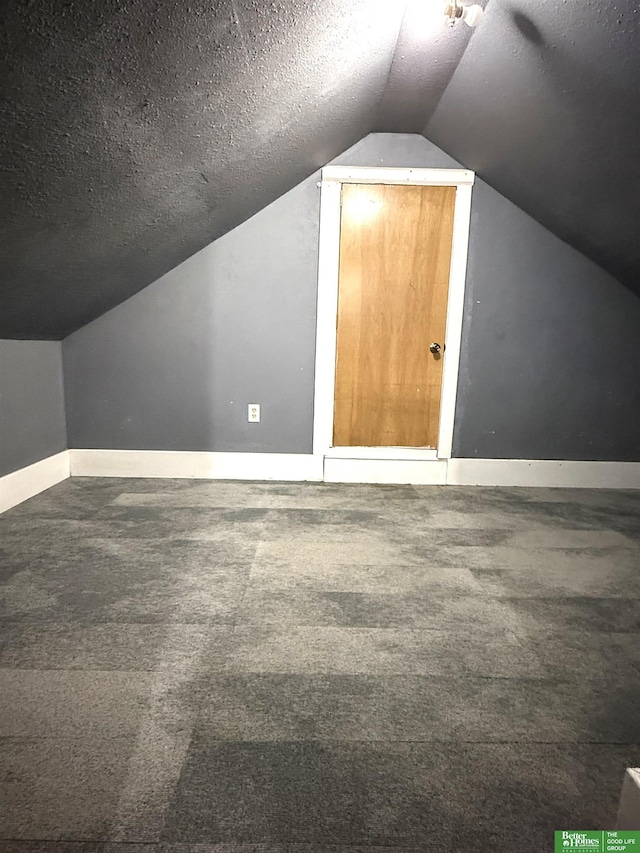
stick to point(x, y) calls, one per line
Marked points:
point(573, 840)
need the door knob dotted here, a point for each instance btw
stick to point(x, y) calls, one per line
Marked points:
point(435, 348)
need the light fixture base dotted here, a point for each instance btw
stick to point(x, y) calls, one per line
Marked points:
point(471, 15)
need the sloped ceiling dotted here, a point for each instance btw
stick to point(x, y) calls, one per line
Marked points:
point(134, 132)
point(545, 106)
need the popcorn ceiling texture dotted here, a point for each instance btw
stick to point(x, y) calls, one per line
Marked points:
point(136, 133)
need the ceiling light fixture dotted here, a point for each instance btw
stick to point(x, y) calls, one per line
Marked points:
point(471, 15)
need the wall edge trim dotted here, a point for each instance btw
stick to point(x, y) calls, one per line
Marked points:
point(18, 486)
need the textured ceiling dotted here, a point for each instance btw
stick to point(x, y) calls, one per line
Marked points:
point(545, 107)
point(134, 132)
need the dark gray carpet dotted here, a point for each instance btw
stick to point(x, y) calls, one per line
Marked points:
point(216, 667)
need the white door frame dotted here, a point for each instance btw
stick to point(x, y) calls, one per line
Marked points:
point(326, 332)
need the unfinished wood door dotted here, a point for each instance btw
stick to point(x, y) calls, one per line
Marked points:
point(395, 256)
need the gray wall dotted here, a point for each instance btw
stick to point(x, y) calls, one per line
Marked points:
point(551, 346)
point(174, 367)
point(32, 417)
point(550, 341)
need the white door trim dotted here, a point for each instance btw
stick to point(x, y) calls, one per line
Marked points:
point(387, 175)
point(328, 268)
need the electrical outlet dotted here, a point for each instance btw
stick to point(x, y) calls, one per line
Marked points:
point(253, 415)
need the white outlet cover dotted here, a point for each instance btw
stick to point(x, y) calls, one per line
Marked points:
point(253, 413)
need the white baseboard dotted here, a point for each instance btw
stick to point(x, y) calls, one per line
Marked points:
point(196, 465)
point(21, 485)
point(27, 482)
point(543, 472)
point(308, 467)
point(415, 472)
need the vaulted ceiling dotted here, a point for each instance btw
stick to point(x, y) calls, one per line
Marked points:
point(545, 106)
point(134, 132)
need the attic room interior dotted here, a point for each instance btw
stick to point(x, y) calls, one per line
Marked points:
point(319, 426)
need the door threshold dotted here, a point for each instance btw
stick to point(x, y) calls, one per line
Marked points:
point(422, 472)
point(419, 454)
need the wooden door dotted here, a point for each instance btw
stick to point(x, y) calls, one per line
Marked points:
point(395, 256)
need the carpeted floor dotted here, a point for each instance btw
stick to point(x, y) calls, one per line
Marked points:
point(190, 667)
